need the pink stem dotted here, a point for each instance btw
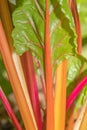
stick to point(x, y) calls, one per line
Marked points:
point(28, 68)
point(75, 92)
point(9, 110)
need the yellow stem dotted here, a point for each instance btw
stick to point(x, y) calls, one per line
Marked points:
point(60, 96)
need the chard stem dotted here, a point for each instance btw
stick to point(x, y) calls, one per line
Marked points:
point(73, 7)
point(48, 73)
point(9, 110)
point(60, 96)
point(75, 92)
point(28, 68)
point(15, 82)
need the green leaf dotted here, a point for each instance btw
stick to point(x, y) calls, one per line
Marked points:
point(81, 98)
point(29, 28)
point(4, 82)
point(28, 34)
point(67, 11)
point(83, 95)
point(76, 64)
point(62, 34)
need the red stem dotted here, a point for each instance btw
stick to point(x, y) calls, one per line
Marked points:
point(48, 73)
point(28, 68)
point(9, 110)
point(75, 93)
point(73, 7)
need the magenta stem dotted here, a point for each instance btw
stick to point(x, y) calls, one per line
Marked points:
point(9, 110)
point(75, 92)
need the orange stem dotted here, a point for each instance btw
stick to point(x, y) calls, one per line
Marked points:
point(6, 20)
point(16, 85)
point(48, 73)
point(71, 119)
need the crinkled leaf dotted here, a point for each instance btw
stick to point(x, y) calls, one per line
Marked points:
point(62, 34)
point(29, 28)
point(64, 4)
point(76, 64)
point(29, 22)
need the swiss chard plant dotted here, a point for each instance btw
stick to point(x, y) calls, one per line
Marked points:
point(41, 47)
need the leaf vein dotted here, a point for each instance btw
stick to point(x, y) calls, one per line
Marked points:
point(30, 21)
point(29, 41)
point(59, 42)
point(39, 9)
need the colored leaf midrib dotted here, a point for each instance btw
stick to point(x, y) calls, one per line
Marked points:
point(48, 73)
point(29, 22)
